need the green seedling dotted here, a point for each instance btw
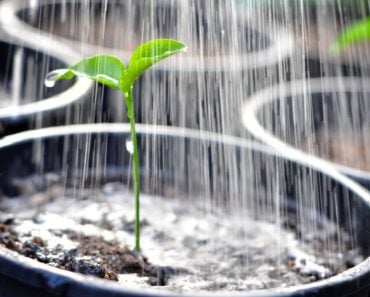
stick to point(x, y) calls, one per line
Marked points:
point(112, 72)
point(356, 33)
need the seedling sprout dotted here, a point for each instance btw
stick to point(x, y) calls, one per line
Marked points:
point(112, 72)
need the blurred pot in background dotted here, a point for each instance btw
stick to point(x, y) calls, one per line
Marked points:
point(229, 53)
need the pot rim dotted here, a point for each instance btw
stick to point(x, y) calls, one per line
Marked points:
point(353, 278)
point(281, 45)
point(80, 89)
point(290, 89)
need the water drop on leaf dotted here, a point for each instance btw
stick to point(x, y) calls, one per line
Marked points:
point(54, 76)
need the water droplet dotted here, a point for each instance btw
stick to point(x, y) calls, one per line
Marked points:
point(130, 146)
point(53, 76)
point(49, 83)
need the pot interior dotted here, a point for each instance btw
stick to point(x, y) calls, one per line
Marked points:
point(229, 178)
point(331, 123)
point(22, 75)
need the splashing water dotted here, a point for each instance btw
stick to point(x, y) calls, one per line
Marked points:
point(237, 50)
point(130, 146)
point(17, 70)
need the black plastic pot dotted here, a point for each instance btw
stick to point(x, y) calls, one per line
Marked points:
point(107, 31)
point(316, 26)
point(25, 101)
point(308, 9)
point(189, 89)
point(326, 117)
point(240, 175)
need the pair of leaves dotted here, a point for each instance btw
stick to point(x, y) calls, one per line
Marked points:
point(112, 72)
point(356, 33)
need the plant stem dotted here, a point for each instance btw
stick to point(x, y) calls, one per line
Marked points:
point(136, 176)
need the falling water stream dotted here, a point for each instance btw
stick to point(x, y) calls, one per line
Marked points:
point(238, 225)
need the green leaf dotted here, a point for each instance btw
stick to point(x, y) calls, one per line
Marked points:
point(358, 32)
point(104, 69)
point(146, 55)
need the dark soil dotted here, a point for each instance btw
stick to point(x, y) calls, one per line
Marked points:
point(94, 256)
point(348, 149)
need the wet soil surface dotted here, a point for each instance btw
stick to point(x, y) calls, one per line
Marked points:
point(92, 256)
point(186, 248)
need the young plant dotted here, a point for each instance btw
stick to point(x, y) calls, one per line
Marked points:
point(356, 33)
point(112, 72)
